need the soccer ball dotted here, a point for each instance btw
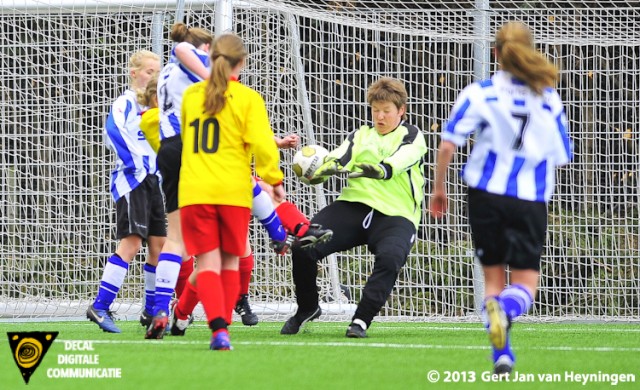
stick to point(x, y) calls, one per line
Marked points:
point(307, 160)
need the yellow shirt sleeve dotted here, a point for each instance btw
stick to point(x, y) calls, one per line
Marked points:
point(150, 126)
point(263, 146)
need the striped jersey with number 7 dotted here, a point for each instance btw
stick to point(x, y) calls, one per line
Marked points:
point(519, 137)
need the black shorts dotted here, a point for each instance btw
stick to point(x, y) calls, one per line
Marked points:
point(169, 161)
point(355, 224)
point(141, 211)
point(507, 230)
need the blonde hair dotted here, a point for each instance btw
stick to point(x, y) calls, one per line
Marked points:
point(136, 61)
point(518, 56)
point(180, 32)
point(149, 96)
point(388, 89)
point(227, 52)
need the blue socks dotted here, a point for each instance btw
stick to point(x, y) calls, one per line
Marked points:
point(262, 208)
point(167, 273)
point(149, 287)
point(515, 301)
point(112, 278)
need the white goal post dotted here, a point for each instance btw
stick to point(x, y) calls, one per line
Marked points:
point(64, 61)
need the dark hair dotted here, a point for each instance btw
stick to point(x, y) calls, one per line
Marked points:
point(518, 56)
point(226, 53)
point(180, 32)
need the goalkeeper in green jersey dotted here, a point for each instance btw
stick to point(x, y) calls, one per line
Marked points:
point(381, 206)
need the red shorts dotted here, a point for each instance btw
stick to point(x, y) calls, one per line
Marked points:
point(206, 227)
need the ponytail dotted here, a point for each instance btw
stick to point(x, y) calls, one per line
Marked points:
point(226, 53)
point(518, 56)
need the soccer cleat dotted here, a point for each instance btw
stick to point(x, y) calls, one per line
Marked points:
point(315, 235)
point(220, 342)
point(178, 326)
point(498, 323)
point(158, 326)
point(282, 247)
point(355, 331)
point(503, 366)
point(104, 319)
point(293, 324)
point(145, 318)
point(249, 318)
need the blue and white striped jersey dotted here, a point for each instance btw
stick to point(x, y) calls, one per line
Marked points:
point(172, 81)
point(134, 157)
point(520, 137)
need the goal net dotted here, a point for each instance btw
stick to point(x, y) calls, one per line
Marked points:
point(64, 62)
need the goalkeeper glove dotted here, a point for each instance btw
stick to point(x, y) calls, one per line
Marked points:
point(328, 168)
point(372, 171)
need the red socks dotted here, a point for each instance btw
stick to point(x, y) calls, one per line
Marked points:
point(246, 267)
point(291, 218)
point(218, 294)
point(186, 268)
point(187, 301)
point(231, 286)
point(211, 294)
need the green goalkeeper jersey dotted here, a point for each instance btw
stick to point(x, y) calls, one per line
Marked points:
point(403, 150)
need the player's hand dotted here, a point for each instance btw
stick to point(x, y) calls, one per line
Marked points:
point(288, 142)
point(438, 204)
point(279, 193)
point(330, 167)
point(371, 171)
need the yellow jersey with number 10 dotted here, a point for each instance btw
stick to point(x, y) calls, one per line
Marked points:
point(217, 150)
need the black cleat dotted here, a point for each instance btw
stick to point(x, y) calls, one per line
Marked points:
point(355, 331)
point(282, 247)
point(503, 366)
point(249, 318)
point(158, 326)
point(145, 318)
point(178, 326)
point(315, 235)
point(293, 324)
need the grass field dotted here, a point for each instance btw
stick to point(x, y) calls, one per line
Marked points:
point(395, 356)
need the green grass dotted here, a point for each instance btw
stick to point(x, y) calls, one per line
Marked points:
point(395, 356)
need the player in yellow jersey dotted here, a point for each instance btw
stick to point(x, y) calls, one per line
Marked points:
point(150, 119)
point(224, 125)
